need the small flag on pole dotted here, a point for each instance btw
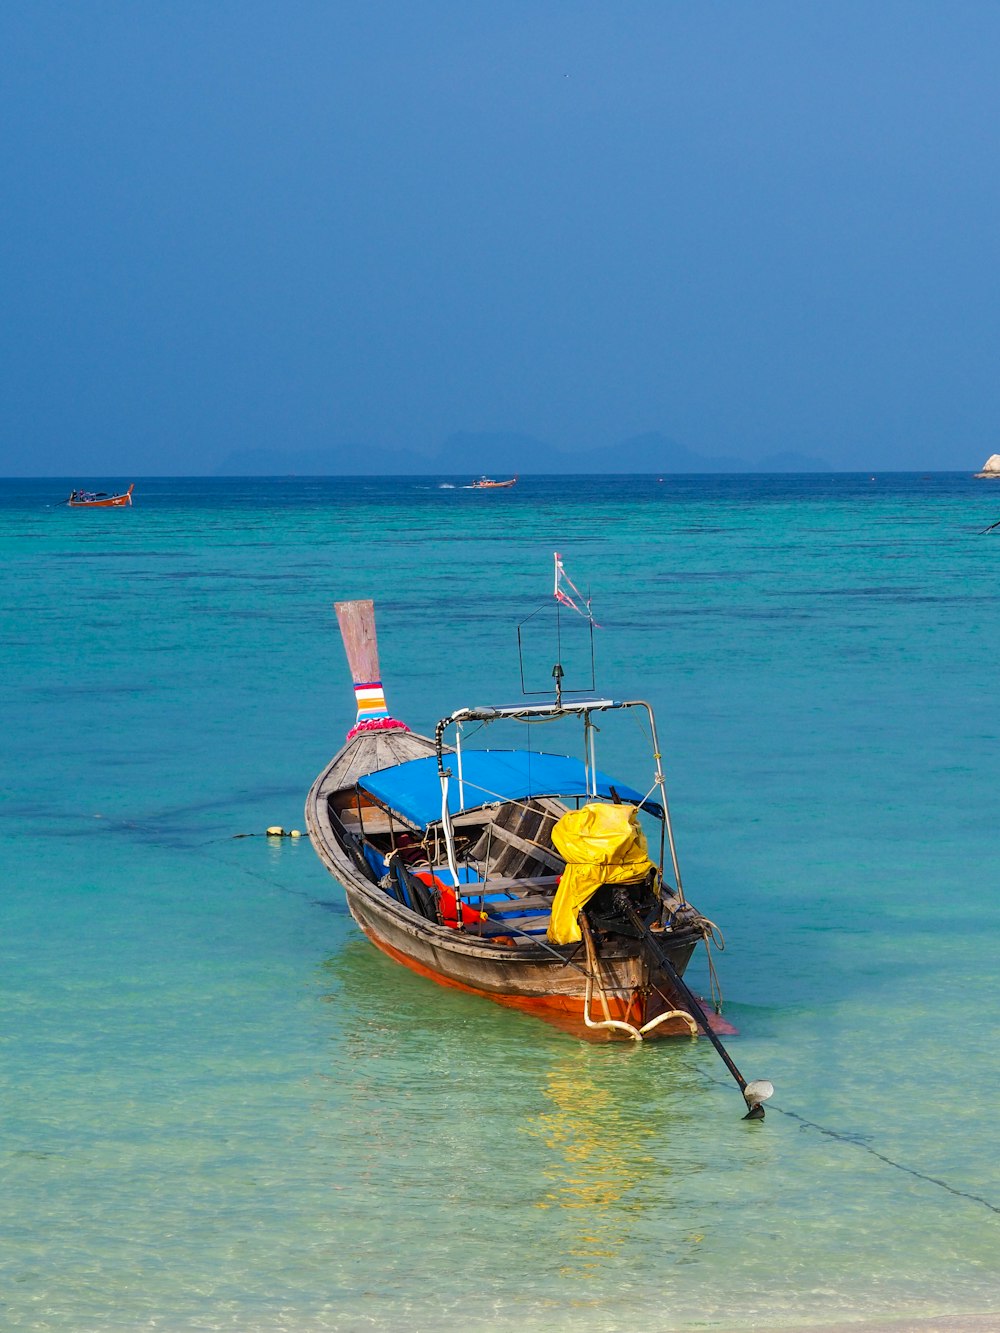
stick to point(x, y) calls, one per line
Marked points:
point(563, 581)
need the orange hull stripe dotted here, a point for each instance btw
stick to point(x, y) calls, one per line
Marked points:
point(564, 1010)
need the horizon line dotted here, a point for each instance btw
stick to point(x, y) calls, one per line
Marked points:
point(369, 476)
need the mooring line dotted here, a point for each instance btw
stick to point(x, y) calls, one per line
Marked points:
point(197, 849)
point(255, 874)
point(889, 1161)
point(853, 1142)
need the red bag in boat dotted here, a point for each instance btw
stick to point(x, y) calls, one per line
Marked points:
point(446, 901)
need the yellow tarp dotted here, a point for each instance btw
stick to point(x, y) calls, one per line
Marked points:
point(602, 844)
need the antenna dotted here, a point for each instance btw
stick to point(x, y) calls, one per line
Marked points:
point(557, 676)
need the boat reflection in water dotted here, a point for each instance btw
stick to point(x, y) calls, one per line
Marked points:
point(608, 1161)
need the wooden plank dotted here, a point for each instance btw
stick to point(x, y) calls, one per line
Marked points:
point(357, 629)
point(514, 906)
point(532, 848)
point(361, 756)
point(497, 925)
point(537, 884)
point(372, 818)
point(474, 819)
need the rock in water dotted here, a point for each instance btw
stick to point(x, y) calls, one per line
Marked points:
point(991, 468)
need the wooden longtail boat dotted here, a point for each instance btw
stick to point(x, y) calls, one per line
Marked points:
point(100, 499)
point(450, 859)
point(488, 484)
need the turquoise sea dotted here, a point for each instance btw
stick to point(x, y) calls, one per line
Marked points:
point(224, 1110)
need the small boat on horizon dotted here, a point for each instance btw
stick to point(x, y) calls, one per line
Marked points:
point(81, 499)
point(519, 875)
point(488, 484)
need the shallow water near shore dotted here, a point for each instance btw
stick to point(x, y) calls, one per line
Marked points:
point(224, 1110)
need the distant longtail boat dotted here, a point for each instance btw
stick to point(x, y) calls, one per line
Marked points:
point(99, 499)
point(488, 484)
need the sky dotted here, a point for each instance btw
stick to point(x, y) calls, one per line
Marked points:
point(359, 231)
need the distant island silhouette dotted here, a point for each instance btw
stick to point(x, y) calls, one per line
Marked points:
point(498, 453)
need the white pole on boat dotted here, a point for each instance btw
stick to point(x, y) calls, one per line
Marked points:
point(449, 834)
point(458, 760)
point(446, 827)
point(662, 786)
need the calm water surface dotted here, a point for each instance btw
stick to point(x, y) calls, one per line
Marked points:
point(223, 1110)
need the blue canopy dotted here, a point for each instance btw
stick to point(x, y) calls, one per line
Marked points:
point(413, 790)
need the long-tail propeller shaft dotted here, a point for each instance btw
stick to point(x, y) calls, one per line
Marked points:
point(756, 1092)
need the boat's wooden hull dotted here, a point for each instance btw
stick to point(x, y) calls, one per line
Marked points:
point(537, 987)
point(548, 981)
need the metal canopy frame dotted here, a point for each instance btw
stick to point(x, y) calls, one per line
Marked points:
point(561, 708)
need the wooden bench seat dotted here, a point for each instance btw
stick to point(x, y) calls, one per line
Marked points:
point(371, 819)
point(513, 906)
point(537, 884)
point(502, 897)
point(502, 925)
point(377, 820)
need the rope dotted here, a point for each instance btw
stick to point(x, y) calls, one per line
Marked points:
point(715, 986)
point(637, 721)
point(593, 976)
point(714, 933)
point(889, 1161)
point(853, 1142)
